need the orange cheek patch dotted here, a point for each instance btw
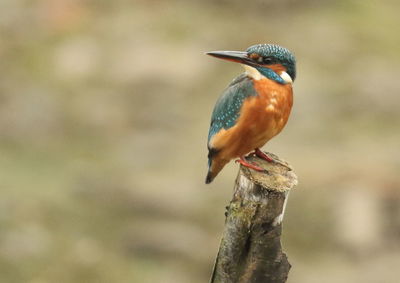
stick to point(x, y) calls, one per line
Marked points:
point(277, 68)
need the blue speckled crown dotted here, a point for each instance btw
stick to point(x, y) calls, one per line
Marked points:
point(281, 54)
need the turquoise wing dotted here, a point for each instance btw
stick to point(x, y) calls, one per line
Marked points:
point(227, 109)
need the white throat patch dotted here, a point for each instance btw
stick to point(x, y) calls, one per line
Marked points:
point(256, 75)
point(253, 72)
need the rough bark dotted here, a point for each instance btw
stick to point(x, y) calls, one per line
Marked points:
point(250, 249)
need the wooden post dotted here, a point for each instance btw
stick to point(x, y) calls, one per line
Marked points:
point(250, 249)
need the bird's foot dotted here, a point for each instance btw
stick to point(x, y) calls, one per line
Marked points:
point(263, 155)
point(259, 153)
point(247, 164)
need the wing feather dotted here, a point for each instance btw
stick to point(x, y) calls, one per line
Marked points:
point(227, 109)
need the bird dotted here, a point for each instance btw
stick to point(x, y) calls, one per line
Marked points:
point(253, 109)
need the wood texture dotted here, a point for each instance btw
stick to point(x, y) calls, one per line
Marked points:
point(250, 249)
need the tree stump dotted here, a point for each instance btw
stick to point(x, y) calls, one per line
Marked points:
point(250, 249)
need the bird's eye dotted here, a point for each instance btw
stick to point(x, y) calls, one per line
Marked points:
point(266, 60)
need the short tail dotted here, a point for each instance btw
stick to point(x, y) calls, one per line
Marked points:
point(215, 165)
point(210, 177)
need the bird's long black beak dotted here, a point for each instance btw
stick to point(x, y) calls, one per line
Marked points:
point(234, 56)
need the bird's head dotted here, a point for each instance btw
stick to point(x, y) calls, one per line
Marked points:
point(269, 60)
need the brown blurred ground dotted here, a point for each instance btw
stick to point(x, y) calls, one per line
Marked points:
point(104, 113)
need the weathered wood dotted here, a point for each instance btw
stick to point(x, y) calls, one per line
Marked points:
point(250, 249)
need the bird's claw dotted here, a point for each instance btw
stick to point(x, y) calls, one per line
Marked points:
point(263, 155)
point(250, 165)
point(257, 152)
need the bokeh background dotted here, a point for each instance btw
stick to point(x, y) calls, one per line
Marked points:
point(104, 113)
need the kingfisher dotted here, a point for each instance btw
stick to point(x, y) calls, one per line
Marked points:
point(253, 109)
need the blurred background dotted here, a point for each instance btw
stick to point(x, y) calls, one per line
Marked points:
point(104, 114)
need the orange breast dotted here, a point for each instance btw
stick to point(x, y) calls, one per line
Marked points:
point(261, 118)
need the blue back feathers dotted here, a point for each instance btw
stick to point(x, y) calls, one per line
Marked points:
point(227, 108)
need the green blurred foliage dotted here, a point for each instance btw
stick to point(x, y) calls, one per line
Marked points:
point(104, 112)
